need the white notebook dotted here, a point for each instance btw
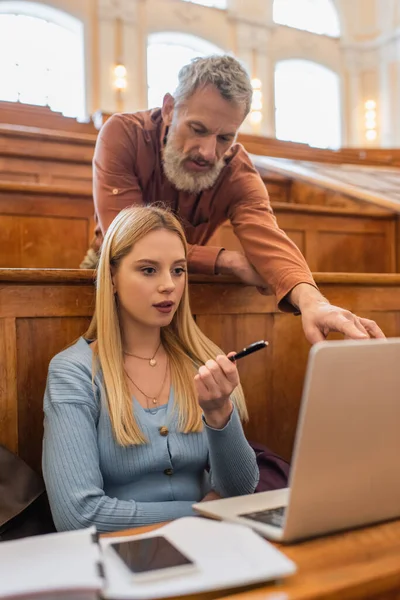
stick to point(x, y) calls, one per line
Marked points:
point(226, 556)
point(64, 563)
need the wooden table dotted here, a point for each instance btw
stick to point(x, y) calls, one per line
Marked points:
point(361, 564)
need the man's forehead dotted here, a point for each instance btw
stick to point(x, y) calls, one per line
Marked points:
point(212, 111)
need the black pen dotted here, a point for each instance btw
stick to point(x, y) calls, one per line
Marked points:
point(249, 350)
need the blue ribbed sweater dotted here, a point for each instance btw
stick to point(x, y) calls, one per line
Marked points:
point(91, 480)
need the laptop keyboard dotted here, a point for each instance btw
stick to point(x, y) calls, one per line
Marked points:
point(273, 516)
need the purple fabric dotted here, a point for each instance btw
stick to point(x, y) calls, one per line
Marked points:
point(274, 470)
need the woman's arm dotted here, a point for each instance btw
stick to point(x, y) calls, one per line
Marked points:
point(71, 467)
point(233, 464)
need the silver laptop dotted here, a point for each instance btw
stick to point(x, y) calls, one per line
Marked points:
point(346, 463)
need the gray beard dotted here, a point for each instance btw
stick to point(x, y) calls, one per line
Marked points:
point(183, 180)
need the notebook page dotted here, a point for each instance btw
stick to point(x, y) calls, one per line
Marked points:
point(47, 563)
point(227, 555)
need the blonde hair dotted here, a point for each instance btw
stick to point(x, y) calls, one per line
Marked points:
point(184, 343)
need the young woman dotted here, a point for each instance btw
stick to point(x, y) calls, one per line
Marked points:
point(143, 413)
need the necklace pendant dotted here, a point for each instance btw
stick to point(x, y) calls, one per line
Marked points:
point(154, 400)
point(152, 362)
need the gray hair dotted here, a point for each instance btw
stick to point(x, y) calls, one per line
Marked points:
point(224, 72)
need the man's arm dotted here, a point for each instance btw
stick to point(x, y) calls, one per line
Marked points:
point(115, 184)
point(275, 258)
point(277, 261)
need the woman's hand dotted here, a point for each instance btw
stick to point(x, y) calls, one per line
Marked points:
point(215, 382)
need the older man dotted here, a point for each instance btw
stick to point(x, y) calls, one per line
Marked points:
point(185, 156)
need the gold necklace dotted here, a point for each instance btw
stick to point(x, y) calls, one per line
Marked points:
point(152, 360)
point(154, 399)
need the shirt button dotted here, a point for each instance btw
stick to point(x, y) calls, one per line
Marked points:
point(115, 191)
point(163, 431)
point(168, 471)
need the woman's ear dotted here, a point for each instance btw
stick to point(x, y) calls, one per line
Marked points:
point(112, 273)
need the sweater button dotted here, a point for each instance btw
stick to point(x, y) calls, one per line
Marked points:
point(115, 191)
point(168, 471)
point(163, 431)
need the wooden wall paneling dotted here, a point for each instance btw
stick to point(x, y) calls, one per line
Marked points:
point(44, 337)
point(290, 354)
point(8, 384)
point(52, 308)
point(362, 292)
point(397, 244)
point(234, 332)
point(338, 241)
point(312, 252)
point(308, 194)
point(47, 300)
point(45, 144)
point(44, 242)
point(299, 238)
point(333, 240)
point(353, 252)
point(37, 170)
point(45, 226)
point(227, 297)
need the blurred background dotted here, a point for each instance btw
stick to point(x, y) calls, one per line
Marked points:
point(325, 72)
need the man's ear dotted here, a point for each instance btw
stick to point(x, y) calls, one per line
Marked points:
point(167, 110)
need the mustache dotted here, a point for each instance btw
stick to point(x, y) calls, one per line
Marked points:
point(199, 159)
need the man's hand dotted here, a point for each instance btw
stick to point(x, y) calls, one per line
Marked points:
point(319, 317)
point(231, 262)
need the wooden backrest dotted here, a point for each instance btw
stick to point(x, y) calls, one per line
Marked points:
point(36, 155)
point(44, 226)
point(41, 312)
point(265, 146)
point(51, 226)
point(333, 239)
point(30, 115)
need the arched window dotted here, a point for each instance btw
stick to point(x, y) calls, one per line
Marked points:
point(317, 16)
point(166, 55)
point(307, 104)
point(222, 4)
point(42, 57)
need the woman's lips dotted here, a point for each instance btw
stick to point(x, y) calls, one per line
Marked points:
point(164, 307)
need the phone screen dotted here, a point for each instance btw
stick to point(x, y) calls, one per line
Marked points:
point(150, 554)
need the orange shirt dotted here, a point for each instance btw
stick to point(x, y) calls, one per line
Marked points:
point(127, 169)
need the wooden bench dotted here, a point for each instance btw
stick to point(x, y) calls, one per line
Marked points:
point(264, 146)
point(44, 226)
point(35, 155)
point(48, 226)
point(18, 113)
point(334, 239)
point(42, 311)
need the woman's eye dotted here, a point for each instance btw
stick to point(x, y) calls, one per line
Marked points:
point(196, 131)
point(148, 270)
point(179, 271)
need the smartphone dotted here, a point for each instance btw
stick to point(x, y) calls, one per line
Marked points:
point(152, 558)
